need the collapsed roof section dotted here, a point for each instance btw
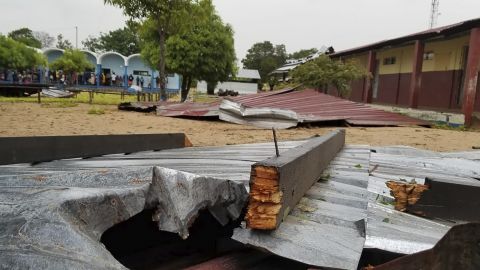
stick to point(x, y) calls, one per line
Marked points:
point(53, 213)
point(285, 109)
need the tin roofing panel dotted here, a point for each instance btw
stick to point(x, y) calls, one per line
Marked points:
point(285, 109)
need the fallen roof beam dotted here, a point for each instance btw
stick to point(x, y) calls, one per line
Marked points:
point(47, 148)
point(450, 200)
point(277, 184)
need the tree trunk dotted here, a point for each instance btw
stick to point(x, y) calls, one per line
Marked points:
point(161, 68)
point(185, 87)
point(211, 88)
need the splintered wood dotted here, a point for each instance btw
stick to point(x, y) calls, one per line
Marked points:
point(265, 198)
point(278, 183)
point(405, 194)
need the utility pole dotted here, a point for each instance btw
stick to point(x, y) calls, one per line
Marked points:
point(434, 13)
point(76, 37)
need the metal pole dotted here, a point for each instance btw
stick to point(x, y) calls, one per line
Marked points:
point(76, 37)
point(275, 141)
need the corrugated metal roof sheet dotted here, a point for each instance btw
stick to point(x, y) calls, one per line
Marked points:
point(326, 229)
point(286, 109)
point(248, 74)
point(430, 33)
point(189, 109)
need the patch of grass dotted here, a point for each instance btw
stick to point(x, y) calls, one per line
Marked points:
point(358, 166)
point(96, 111)
point(449, 127)
point(386, 220)
point(98, 99)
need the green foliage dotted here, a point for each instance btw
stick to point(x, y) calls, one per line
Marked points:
point(99, 99)
point(71, 61)
point(302, 53)
point(96, 111)
point(265, 57)
point(123, 40)
point(202, 48)
point(63, 44)
point(25, 36)
point(16, 55)
point(164, 16)
point(323, 72)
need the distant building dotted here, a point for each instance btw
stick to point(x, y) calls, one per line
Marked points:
point(246, 82)
point(436, 69)
point(123, 66)
point(282, 74)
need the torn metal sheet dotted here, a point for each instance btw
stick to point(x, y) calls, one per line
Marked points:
point(286, 109)
point(189, 109)
point(71, 202)
point(179, 197)
point(458, 249)
point(53, 214)
point(327, 227)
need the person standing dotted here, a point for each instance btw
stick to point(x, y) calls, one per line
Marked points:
point(138, 80)
point(141, 81)
point(130, 80)
point(114, 79)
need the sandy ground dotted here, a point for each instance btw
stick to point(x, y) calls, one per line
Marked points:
point(30, 119)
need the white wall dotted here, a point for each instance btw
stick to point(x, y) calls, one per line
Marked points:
point(242, 88)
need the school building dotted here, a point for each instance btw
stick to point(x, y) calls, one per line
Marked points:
point(115, 63)
point(435, 69)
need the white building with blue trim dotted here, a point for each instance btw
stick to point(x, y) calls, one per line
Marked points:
point(115, 63)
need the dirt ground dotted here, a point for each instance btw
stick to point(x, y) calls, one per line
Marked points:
point(30, 119)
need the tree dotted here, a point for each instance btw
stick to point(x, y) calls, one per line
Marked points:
point(63, 44)
point(25, 36)
point(45, 39)
point(17, 56)
point(323, 72)
point(164, 16)
point(265, 57)
point(71, 62)
point(93, 44)
point(204, 50)
point(123, 40)
point(302, 53)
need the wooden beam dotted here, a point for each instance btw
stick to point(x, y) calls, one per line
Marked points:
point(368, 86)
point(471, 76)
point(438, 199)
point(416, 77)
point(47, 148)
point(277, 184)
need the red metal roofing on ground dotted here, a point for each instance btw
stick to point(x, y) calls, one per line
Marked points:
point(313, 106)
point(189, 109)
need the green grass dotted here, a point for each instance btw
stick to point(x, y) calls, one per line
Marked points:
point(96, 111)
point(98, 99)
point(449, 127)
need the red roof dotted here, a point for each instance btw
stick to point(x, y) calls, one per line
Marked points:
point(313, 106)
point(430, 33)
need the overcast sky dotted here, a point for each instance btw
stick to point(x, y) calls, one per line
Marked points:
point(296, 23)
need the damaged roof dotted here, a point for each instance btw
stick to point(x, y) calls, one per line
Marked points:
point(52, 214)
point(288, 108)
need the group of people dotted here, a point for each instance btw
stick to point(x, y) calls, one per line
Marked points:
point(14, 76)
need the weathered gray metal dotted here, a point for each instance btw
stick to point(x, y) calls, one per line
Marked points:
point(458, 249)
point(327, 227)
point(48, 148)
point(52, 214)
point(296, 171)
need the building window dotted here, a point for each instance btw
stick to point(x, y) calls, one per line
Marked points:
point(389, 60)
point(428, 56)
point(141, 73)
